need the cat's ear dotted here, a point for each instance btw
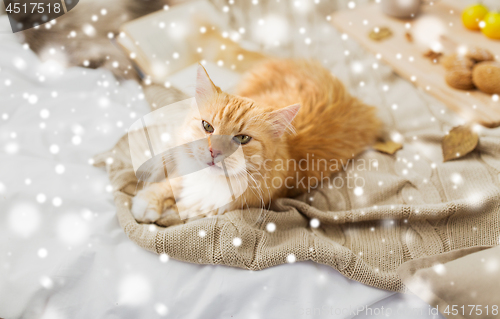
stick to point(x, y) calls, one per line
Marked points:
point(205, 88)
point(282, 118)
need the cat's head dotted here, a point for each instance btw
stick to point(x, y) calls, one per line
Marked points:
point(228, 122)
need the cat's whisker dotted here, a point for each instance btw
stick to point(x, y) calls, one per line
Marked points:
point(259, 194)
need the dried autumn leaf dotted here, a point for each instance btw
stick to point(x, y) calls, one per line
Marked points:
point(460, 141)
point(379, 34)
point(409, 37)
point(433, 55)
point(388, 147)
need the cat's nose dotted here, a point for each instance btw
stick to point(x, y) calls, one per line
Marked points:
point(215, 152)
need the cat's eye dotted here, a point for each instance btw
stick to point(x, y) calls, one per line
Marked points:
point(208, 127)
point(242, 139)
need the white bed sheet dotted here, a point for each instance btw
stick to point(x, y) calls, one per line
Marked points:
point(94, 271)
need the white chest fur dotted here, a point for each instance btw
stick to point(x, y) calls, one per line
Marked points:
point(203, 192)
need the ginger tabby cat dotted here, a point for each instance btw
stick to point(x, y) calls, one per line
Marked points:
point(285, 112)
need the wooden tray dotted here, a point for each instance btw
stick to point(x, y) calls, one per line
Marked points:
point(473, 105)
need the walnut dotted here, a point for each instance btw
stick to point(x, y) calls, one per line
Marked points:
point(460, 78)
point(486, 76)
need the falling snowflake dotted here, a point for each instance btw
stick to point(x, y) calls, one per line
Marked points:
point(475, 199)
point(11, 148)
point(54, 149)
point(60, 169)
point(19, 63)
point(237, 242)
point(440, 269)
point(42, 253)
point(271, 227)
point(46, 282)
point(134, 290)
point(76, 140)
point(314, 223)
point(89, 30)
point(358, 191)
point(24, 219)
point(57, 201)
point(72, 229)
point(271, 29)
point(161, 309)
point(456, 178)
point(164, 258)
point(41, 198)
point(357, 67)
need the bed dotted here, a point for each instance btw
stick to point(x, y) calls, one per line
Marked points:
point(53, 120)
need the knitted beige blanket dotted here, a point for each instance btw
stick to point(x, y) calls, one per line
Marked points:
point(407, 206)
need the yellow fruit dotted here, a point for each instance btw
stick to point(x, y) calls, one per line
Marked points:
point(490, 26)
point(472, 15)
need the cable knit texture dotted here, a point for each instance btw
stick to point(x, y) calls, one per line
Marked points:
point(412, 206)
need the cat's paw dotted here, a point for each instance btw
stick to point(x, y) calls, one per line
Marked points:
point(150, 203)
point(143, 211)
